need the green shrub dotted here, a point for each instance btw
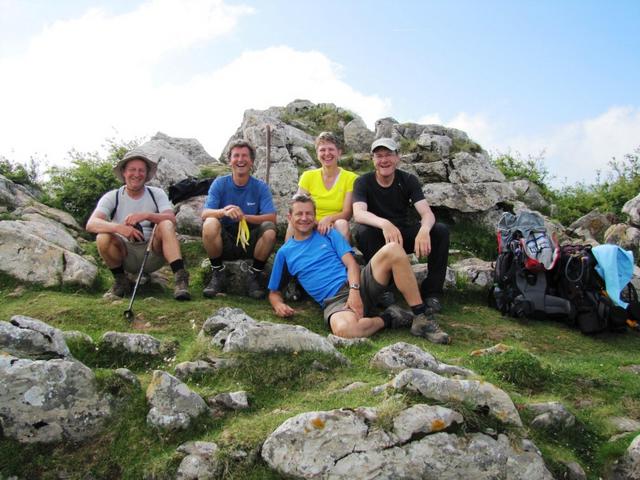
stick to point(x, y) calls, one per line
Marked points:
point(18, 173)
point(474, 238)
point(516, 367)
point(513, 166)
point(78, 188)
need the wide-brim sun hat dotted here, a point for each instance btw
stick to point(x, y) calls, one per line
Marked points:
point(135, 154)
point(386, 143)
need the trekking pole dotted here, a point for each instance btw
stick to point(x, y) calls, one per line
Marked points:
point(266, 176)
point(128, 313)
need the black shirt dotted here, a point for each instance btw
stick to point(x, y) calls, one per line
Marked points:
point(392, 202)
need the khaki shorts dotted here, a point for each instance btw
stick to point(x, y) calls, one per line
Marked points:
point(370, 291)
point(135, 254)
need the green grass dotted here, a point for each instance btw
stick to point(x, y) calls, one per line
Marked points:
point(549, 361)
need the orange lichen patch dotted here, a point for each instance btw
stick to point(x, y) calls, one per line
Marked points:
point(437, 425)
point(318, 422)
point(499, 348)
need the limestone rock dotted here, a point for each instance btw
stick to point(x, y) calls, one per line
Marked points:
point(201, 462)
point(347, 444)
point(473, 168)
point(128, 376)
point(468, 197)
point(26, 337)
point(385, 127)
point(432, 171)
point(231, 401)
point(478, 273)
point(237, 332)
point(624, 236)
point(341, 342)
point(173, 405)
point(13, 195)
point(188, 218)
point(552, 416)
point(132, 343)
point(185, 370)
point(483, 394)
point(189, 147)
point(591, 226)
point(173, 165)
point(496, 349)
point(77, 337)
point(624, 424)
point(47, 230)
point(401, 355)
point(436, 143)
point(357, 137)
point(530, 194)
point(575, 471)
point(628, 467)
point(49, 401)
point(632, 208)
point(31, 258)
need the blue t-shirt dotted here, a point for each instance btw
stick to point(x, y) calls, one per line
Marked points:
point(254, 198)
point(315, 261)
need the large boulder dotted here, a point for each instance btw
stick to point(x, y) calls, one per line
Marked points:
point(628, 467)
point(31, 258)
point(401, 355)
point(173, 165)
point(354, 444)
point(13, 195)
point(45, 229)
point(234, 331)
point(468, 197)
point(591, 226)
point(188, 215)
point(189, 147)
point(632, 208)
point(26, 337)
point(473, 168)
point(481, 394)
point(357, 137)
point(530, 194)
point(623, 235)
point(47, 401)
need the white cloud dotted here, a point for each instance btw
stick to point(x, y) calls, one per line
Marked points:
point(81, 79)
point(574, 151)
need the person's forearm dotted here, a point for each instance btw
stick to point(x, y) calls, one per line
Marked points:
point(368, 218)
point(212, 213)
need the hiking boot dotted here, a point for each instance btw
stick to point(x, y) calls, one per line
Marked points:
point(121, 285)
point(216, 284)
point(293, 291)
point(256, 284)
point(400, 318)
point(434, 304)
point(181, 287)
point(425, 325)
point(386, 299)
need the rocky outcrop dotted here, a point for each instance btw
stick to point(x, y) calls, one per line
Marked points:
point(628, 467)
point(350, 444)
point(26, 337)
point(475, 272)
point(623, 235)
point(132, 344)
point(591, 226)
point(189, 147)
point(551, 416)
point(234, 331)
point(482, 394)
point(632, 208)
point(173, 164)
point(201, 461)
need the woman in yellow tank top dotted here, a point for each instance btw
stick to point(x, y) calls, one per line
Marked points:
point(330, 186)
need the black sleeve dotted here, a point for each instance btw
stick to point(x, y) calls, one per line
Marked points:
point(360, 190)
point(415, 189)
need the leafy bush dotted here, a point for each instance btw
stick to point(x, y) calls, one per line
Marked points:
point(78, 188)
point(321, 118)
point(513, 166)
point(18, 173)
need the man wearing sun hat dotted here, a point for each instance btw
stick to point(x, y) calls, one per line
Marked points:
point(123, 221)
point(382, 200)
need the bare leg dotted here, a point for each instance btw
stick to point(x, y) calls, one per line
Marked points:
point(166, 241)
point(391, 262)
point(111, 249)
point(265, 245)
point(212, 237)
point(345, 324)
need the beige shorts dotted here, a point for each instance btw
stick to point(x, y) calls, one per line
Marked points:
point(135, 254)
point(370, 291)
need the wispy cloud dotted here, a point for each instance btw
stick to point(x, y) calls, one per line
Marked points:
point(82, 79)
point(573, 152)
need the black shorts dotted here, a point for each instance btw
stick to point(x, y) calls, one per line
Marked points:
point(231, 251)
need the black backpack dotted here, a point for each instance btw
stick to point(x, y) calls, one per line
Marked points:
point(577, 281)
point(187, 188)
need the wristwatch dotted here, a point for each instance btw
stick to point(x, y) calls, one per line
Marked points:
point(354, 286)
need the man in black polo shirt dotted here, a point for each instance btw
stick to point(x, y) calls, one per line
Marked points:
point(381, 203)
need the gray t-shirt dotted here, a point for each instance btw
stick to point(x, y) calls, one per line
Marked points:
point(128, 205)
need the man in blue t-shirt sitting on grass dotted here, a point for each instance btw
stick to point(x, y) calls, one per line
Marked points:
point(231, 199)
point(326, 268)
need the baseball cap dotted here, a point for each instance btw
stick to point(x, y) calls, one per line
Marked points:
point(384, 142)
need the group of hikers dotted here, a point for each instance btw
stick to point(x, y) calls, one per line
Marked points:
point(317, 253)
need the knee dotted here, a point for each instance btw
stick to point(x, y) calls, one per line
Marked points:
point(439, 232)
point(342, 226)
point(211, 227)
point(269, 236)
point(393, 252)
point(166, 227)
point(104, 240)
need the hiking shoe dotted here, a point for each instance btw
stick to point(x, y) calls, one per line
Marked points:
point(216, 284)
point(121, 286)
point(400, 318)
point(181, 287)
point(386, 299)
point(293, 291)
point(434, 304)
point(256, 282)
point(425, 325)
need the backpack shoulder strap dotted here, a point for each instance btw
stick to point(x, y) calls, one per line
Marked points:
point(153, 198)
point(113, 212)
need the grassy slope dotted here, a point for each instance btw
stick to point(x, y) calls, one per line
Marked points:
point(550, 362)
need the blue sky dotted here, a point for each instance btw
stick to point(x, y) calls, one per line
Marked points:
point(559, 77)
